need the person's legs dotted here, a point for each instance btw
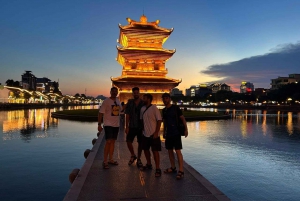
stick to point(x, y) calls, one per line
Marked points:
point(130, 148)
point(156, 159)
point(169, 143)
point(106, 150)
point(180, 159)
point(139, 148)
point(111, 150)
point(115, 131)
point(146, 147)
point(178, 147)
point(129, 140)
point(172, 158)
point(156, 147)
point(147, 156)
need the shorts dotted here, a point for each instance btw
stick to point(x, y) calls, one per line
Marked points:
point(138, 132)
point(173, 142)
point(148, 142)
point(111, 133)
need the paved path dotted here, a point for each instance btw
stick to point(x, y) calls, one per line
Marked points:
point(125, 182)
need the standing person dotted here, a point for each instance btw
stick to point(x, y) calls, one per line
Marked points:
point(134, 125)
point(151, 125)
point(110, 111)
point(171, 115)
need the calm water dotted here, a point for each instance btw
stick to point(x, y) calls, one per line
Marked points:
point(254, 156)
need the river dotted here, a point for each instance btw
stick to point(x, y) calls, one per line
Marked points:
point(254, 156)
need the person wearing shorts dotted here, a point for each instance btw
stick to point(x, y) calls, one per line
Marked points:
point(133, 126)
point(171, 116)
point(110, 113)
point(151, 118)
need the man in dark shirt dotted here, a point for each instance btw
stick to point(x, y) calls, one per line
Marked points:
point(171, 117)
point(134, 125)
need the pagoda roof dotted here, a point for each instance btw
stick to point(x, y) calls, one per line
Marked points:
point(143, 54)
point(145, 80)
point(143, 30)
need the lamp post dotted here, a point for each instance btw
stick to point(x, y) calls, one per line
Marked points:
point(289, 100)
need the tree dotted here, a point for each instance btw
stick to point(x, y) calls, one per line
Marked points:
point(10, 82)
point(16, 84)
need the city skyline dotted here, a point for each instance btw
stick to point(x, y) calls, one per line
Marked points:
point(75, 41)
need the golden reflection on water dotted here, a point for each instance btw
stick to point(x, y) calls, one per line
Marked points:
point(264, 126)
point(289, 123)
point(24, 124)
point(27, 122)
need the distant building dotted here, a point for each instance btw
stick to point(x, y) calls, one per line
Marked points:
point(198, 90)
point(218, 87)
point(28, 81)
point(246, 87)
point(45, 85)
point(278, 82)
point(176, 92)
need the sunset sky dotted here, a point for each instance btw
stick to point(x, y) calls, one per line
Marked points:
point(75, 41)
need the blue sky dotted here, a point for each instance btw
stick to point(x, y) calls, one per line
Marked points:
point(75, 41)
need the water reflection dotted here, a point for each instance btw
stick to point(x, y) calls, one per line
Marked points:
point(24, 123)
point(31, 123)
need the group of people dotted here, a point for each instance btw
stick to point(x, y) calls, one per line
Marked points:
point(143, 121)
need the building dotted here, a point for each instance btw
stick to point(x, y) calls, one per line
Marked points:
point(246, 87)
point(176, 92)
point(278, 82)
point(143, 60)
point(45, 85)
point(28, 81)
point(218, 87)
point(198, 90)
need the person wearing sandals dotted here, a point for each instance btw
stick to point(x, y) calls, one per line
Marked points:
point(172, 134)
point(134, 126)
point(110, 113)
point(151, 118)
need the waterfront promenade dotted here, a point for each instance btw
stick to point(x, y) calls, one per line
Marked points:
point(125, 182)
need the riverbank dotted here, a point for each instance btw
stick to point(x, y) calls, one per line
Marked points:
point(92, 115)
point(285, 108)
point(18, 106)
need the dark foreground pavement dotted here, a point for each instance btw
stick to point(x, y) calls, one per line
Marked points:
point(124, 182)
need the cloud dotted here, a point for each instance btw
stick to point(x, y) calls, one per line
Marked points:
point(281, 61)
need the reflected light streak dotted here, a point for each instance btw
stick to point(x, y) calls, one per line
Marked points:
point(289, 124)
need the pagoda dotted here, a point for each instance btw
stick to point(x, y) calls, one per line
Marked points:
point(143, 59)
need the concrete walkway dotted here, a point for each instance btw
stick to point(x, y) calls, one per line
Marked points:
point(124, 182)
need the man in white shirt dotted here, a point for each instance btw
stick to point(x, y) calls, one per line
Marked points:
point(110, 111)
point(151, 126)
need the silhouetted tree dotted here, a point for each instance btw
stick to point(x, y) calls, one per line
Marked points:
point(9, 82)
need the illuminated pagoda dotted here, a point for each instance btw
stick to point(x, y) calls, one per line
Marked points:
point(143, 59)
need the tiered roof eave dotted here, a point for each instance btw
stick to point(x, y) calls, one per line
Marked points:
point(141, 31)
point(152, 79)
point(141, 54)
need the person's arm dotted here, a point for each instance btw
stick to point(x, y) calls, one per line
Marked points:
point(186, 133)
point(158, 123)
point(127, 117)
point(127, 123)
point(157, 129)
point(100, 118)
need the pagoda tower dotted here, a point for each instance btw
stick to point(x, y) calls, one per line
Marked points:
point(143, 59)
